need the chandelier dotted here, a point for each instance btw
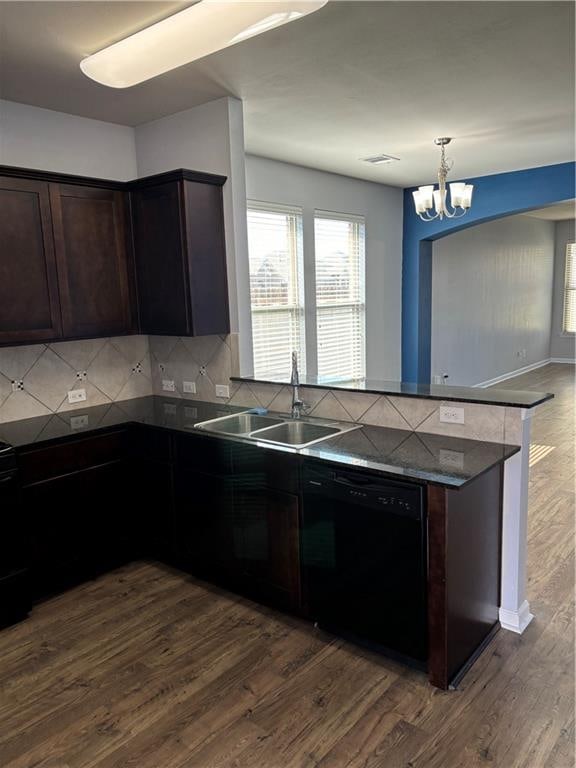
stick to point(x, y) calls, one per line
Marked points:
point(427, 198)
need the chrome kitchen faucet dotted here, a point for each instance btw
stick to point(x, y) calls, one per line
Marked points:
point(297, 405)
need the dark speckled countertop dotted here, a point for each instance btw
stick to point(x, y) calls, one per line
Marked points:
point(447, 461)
point(511, 398)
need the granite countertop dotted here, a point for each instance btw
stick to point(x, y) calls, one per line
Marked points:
point(506, 397)
point(449, 461)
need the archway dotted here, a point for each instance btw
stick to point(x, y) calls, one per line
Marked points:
point(503, 194)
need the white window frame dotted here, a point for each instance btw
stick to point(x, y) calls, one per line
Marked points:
point(569, 291)
point(297, 310)
point(359, 222)
point(307, 305)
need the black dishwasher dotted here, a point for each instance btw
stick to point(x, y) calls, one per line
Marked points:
point(364, 555)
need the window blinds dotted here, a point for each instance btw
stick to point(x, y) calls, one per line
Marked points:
point(569, 313)
point(340, 295)
point(276, 287)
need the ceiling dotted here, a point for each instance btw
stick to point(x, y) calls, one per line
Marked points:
point(558, 212)
point(354, 79)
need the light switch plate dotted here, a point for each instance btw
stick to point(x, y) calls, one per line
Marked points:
point(76, 395)
point(168, 385)
point(222, 390)
point(189, 387)
point(451, 415)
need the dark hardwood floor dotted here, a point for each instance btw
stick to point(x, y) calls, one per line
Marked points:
point(148, 669)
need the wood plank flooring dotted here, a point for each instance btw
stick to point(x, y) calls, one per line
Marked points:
point(145, 668)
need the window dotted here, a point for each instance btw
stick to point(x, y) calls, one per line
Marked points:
point(569, 313)
point(340, 295)
point(276, 287)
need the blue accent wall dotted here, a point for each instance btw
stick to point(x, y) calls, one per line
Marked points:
point(503, 194)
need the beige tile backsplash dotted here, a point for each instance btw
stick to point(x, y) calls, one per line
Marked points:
point(134, 366)
point(108, 369)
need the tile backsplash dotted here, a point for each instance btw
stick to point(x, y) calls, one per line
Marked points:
point(206, 361)
point(121, 368)
point(108, 369)
point(490, 423)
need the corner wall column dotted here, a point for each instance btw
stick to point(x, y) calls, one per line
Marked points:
point(514, 607)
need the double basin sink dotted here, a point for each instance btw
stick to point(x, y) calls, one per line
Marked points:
point(279, 430)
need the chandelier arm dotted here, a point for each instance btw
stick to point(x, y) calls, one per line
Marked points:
point(454, 214)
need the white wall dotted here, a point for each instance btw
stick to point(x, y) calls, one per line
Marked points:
point(276, 182)
point(209, 138)
point(561, 346)
point(492, 298)
point(54, 141)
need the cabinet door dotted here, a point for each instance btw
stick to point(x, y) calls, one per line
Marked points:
point(270, 545)
point(160, 265)
point(29, 306)
point(206, 250)
point(79, 523)
point(94, 264)
point(208, 534)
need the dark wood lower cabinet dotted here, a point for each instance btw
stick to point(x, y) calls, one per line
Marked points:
point(465, 528)
point(207, 533)
point(80, 524)
point(237, 530)
point(230, 513)
point(270, 549)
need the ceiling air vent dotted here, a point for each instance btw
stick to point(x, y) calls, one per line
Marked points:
point(380, 159)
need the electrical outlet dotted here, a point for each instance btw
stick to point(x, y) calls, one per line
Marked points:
point(451, 415)
point(79, 422)
point(190, 412)
point(189, 387)
point(452, 459)
point(170, 409)
point(76, 395)
point(168, 385)
point(222, 390)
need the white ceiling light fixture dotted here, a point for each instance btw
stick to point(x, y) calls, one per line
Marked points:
point(427, 198)
point(202, 29)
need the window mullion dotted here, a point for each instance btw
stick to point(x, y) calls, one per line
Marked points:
point(310, 310)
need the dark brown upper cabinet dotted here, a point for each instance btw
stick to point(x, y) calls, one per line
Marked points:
point(178, 229)
point(94, 260)
point(67, 251)
point(29, 304)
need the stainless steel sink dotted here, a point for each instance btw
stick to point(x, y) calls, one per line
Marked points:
point(297, 433)
point(277, 430)
point(239, 424)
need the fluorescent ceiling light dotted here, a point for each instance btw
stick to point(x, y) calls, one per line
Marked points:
point(198, 31)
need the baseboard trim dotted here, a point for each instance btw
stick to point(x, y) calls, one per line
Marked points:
point(517, 372)
point(516, 621)
point(568, 360)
